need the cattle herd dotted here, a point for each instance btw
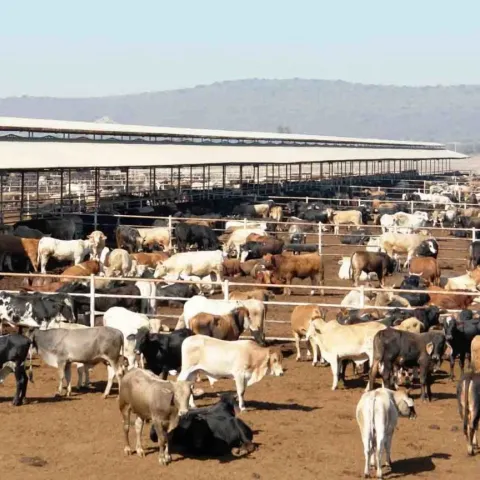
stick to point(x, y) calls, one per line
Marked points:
point(400, 335)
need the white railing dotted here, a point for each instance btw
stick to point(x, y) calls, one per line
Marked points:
point(226, 285)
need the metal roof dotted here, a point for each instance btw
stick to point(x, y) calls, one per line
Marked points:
point(13, 125)
point(19, 155)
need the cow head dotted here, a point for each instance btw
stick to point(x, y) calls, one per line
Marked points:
point(181, 394)
point(275, 359)
point(437, 349)
point(404, 404)
point(449, 327)
point(160, 270)
point(245, 251)
point(330, 212)
point(141, 340)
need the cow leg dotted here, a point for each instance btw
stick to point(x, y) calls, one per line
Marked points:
point(462, 363)
point(241, 384)
point(180, 323)
point(314, 349)
point(452, 366)
point(61, 376)
point(43, 263)
point(138, 432)
point(68, 377)
point(297, 346)
point(126, 410)
point(335, 366)
point(161, 428)
point(380, 441)
point(21, 384)
point(372, 375)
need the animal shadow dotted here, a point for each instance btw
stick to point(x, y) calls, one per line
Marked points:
point(414, 466)
point(256, 405)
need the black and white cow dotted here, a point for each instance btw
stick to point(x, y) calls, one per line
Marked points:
point(30, 310)
point(13, 353)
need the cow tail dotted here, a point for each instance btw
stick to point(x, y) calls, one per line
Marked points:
point(371, 426)
point(350, 271)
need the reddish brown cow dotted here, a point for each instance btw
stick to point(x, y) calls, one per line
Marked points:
point(254, 237)
point(84, 269)
point(427, 267)
point(149, 259)
point(11, 245)
point(451, 302)
point(286, 268)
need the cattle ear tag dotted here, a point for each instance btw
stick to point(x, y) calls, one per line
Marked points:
point(429, 348)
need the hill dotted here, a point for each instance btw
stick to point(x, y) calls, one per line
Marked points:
point(437, 113)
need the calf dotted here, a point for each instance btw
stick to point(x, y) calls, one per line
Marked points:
point(149, 259)
point(460, 335)
point(253, 250)
point(468, 396)
point(475, 349)
point(202, 236)
point(128, 238)
point(414, 282)
point(150, 398)
point(377, 414)
point(405, 349)
point(261, 294)
point(357, 237)
point(243, 360)
point(213, 431)
point(59, 348)
point(13, 353)
point(175, 291)
point(300, 319)
point(368, 262)
point(73, 250)
point(449, 302)
point(162, 353)
point(84, 269)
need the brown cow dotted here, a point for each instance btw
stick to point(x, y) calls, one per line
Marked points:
point(254, 237)
point(261, 294)
point(224, 327)
point(149, 259)
point(369, 262)
point(150, 398)
point(11, 245)
point(286, 268)
point(84, 269)
point(450, 302)
point(427, 268)
point(300, 319)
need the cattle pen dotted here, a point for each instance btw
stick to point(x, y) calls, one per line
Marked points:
point(50, 166)
point(103, 176)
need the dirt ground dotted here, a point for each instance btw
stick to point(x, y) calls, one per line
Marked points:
point(303, 429)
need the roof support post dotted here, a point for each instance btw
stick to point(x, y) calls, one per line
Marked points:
point(97, 190)
point(203, 181)
point(241, 180)
point(224, 179)
point(61, 192)
point(22, 194)
point(70, 188)
point(179, 179)
point(37, 196)
point(127, 182)
point(154, 184)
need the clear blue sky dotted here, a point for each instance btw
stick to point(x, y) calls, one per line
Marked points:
point(92, 48)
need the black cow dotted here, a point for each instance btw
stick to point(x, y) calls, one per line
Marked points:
point(356, 237)
point(469, 222)
point(474, 255)
point(128, 238)
point(26, 232)
point(176, 290)
point(62, 228)
point(253, 250)
point(428, 248)
point(414, 282)
point(211, 431)
point(81, 305)
point(31, 309)
point(460, 335)
point(407, 350)
point(14, 348)
point(162, 352)
point(314, 216)
point(191, 234)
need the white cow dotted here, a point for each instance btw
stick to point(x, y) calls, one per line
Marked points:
point(73, 250)
point(377, 414)
point(192, 263)
point(243, 360)
point(344, 273)
point(128, 323)
point(238, 224)
point(373, 245)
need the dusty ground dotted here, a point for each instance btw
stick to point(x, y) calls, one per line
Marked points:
point(303, 429)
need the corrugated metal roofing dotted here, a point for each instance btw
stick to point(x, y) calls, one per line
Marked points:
point(16, 155)
point(41, 125)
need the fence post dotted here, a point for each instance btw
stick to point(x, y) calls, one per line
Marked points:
point(95, 220)
point(424, 186)
point(473, 234)
point(362, 297)
point(306, 200)
point(319, 237)
point(170, 232)
point(92, 300)
point(225, 289)
point(411, 206)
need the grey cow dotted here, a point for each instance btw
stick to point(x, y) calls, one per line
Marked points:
point(150, 398)
point(60, 347)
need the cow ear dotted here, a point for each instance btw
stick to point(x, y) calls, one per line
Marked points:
point(448, 351)
point(429, 348)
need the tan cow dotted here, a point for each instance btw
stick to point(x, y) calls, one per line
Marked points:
point(150, 259)
point(427, 268)
point(150, 398)
point(411, 325)
point(276, 213)
point(475, 349)
point(238, 238)
point(300, 319)
point(117, 263)
point(338, 342)
point(400, 243)
point(97, 242)
point(243, 360)
point(155, 236)
point(344, 217)
point(261, 294)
